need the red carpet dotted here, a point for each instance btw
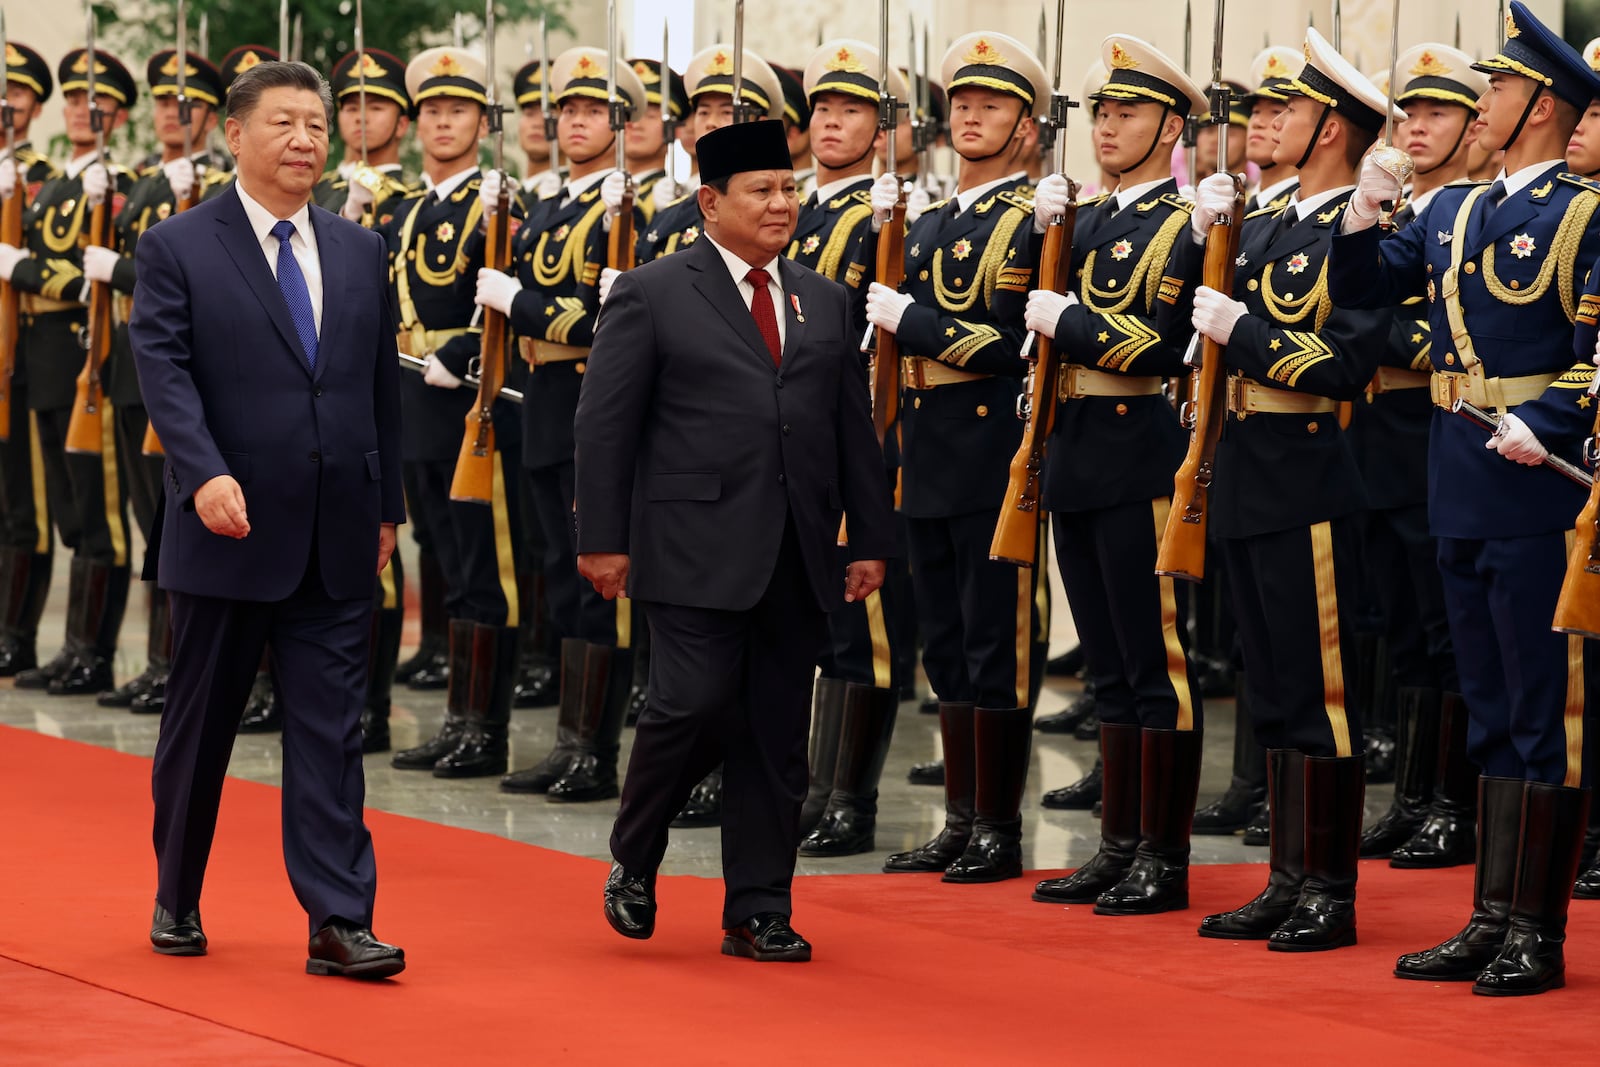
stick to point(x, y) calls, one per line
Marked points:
point(511, 960)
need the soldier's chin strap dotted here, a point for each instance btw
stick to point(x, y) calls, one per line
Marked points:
point(610, 146)
point(1007, 147)
point(1155, 142)
point(1538, 90)
point(871, 143)
point(1311, 144)
point(1448, 156)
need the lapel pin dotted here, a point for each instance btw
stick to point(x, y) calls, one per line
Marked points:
point(794, 302)
point(1444, 238)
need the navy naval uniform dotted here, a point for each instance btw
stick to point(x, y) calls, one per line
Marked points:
point(961, 341)
point(1519, 279)
point(1287, 493)
point(1134, 273)
point(87, 494)
point(25, 514)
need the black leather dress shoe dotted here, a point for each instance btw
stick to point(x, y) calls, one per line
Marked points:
point(766, 938)
point(177, 937)
point(930, 773)
point(1066, 721)
point(87, 673)
point(17, 654)
point(374, 730)
point(346, 950)
point(631, 903)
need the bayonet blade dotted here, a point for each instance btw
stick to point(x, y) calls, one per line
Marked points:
point(203, 42)
point(738, 61)
point(361, 78)
point(283, 29)
point(1188, 37)
point(1338, 28)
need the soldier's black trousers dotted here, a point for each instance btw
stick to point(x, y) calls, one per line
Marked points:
point(1129, 621)
point(575, 608)
point(477, 544)
point(1291, 593)
point(24, 503)
point(978, 618)
point(1402, 560)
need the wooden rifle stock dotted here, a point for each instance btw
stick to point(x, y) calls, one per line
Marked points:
point(1578, 607)
point(474, 476)
point(10, 299)
point(1183, 542)
point(620, 250)
point(85, 431)
point(1016, 534)
point(883, 373)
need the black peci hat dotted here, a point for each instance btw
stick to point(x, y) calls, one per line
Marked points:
point(743, 146)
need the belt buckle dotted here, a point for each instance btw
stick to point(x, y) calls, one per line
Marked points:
point(919, 378)
point(1236, 396)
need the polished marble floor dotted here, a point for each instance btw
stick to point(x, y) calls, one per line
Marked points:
point(908, 814)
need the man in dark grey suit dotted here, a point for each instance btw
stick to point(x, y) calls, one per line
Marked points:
point(723, 427)
point(266, 355)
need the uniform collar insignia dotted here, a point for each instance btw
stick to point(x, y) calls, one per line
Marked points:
point(1543, 190)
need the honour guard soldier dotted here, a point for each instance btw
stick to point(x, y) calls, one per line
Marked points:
point(647, 140)
point(708, 81)
point(1273, 69)
point(1285, 501)
point(25, 537)
point(85, 491)
point(542, 178)
point(968, 269)
point(857, 695)
point(552, 304)
point(386, 121)
point(797, 127)
point(235, 63)
point(1430, 823)
point(432, 248)
point(364, 188)
point(155, 196)
point(1504, 269)
point(1108, 480)
point(1243, 806)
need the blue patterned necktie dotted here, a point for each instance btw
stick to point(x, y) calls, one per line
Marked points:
point(1491, 203)
point(292, 283)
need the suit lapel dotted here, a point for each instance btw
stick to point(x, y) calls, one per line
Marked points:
point(330, 250)
point(239, 241)
point(716, 284)
point(794, 323)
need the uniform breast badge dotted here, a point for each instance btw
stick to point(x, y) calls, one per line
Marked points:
point(163, 210)
point(961, 249)
point(691, 235)
point(809, 245)
point(1522, 246)
point(916, 250)
point(1122, 250)
point(446, 231)
point(561, 232)
point(1297, 263)
point(1444, 238)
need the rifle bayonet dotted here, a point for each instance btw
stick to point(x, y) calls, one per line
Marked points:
point(738, 61)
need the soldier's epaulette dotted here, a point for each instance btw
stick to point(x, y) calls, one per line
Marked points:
point(936, 205)
point(1174, 200)
point(862, 196)
point(468, 188)
point(150, 171)
point(217, 176)
point(1270, 209)
point(1017, 198)
point(1466, 182)
point(1580, 181)
point(1093, 200)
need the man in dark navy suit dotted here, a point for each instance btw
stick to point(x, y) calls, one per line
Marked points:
point(722, 428)
point(266, 353)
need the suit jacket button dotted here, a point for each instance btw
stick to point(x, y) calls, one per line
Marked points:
point(983, 409)
point(778, 382)
point(782, 480)
point(316, 457)
point(1471, 268)
point(316, 392)
point(1122, 409)
point(786, 429)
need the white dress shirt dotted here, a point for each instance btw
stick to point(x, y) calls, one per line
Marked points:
point(303, 243)
point(1304, 208)
point(443, 190)
point(967, 197)
point(1127, 196)
point(739, 268)
point(1526, 176)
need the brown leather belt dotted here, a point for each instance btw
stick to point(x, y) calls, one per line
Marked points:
point(1491, 394)
point(1079, 381)
point(423, 343)
point(1394, 379)
point(1246, 397)
point(34, 304)
point(923, 373)
point(536, 353)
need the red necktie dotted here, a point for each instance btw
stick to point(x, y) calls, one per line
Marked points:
point(766, 317)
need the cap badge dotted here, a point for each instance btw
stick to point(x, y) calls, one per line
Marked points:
point(1428, 65)
point(985, 53)
point(720, 63)
point(369, 67)
point(446, 66)
point(845, 60)
point(1120, 59)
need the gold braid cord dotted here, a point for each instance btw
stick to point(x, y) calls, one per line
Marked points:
point(1145, 276)
point(1563, 256)
point(995, 254)
point(1290, 310)
point(549, 271)
point(839, 241)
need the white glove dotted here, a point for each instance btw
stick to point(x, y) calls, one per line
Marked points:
point(8, 177)
point(1213, 197)
point(611, 190)
point(1597, 351)
point(607, 276)
point(1215, 314)
point(665, 193)
point(1050, 201)
point(98, 263)
point(435, 373)
point(496, 290)
point(360, 198)
point(1044, 310)
point(885, 306)
point(10, 256)
point(1516, 442)
point(489, 192)
point(96, 182)
point(917, 201)
point(1186, 191)
point(885, 194)
point(543, 185)
point(180, 175)
point(1374, 186)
